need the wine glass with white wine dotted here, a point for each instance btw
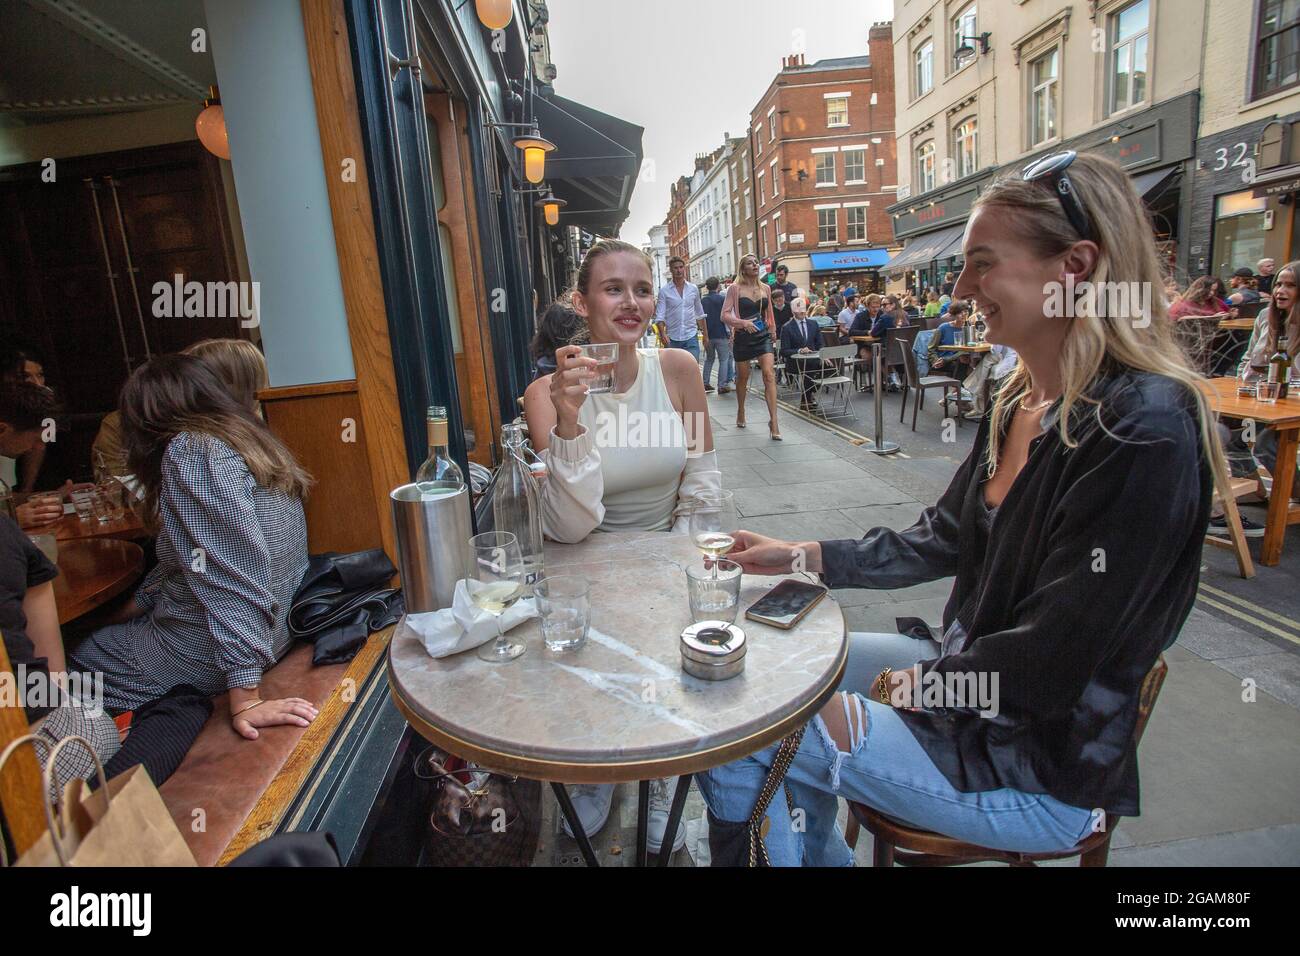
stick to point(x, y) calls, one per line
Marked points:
point(713, 522)
point(497, 583)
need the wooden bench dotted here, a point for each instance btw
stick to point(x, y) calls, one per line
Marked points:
point(229, 793)
point(244, 789)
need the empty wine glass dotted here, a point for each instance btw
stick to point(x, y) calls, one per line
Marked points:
point(713, 521)
point(497, 583)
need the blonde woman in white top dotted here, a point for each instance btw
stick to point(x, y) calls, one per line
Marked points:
point(629, 460)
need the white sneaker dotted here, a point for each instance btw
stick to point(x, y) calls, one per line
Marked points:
point(591, 803)
point(661, 802)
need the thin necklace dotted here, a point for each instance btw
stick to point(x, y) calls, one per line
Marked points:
point(1039, 407)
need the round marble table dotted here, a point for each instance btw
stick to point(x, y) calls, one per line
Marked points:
point(620, 708)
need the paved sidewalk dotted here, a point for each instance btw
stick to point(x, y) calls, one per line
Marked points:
point(1220, 774)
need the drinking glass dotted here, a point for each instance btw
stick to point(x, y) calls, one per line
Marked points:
point(714, 593)
point(1268, 392)
point(111, 492)
point(84, 502)
point(713, 521)
point(497, 583)
point(565, 605)
point(606, 354)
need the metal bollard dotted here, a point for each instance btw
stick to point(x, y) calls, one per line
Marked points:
point(880, 446)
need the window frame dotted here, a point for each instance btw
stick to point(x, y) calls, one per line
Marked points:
point(1256, 90)
point(849, 224)
point(921, 155)
point(1053, 51)
point(957, 142)
point(837, 99)
point(834, 227)
point(849, 180)
point(926, 45)
point(1113, 45)
point(817, 170)
point(956, 32)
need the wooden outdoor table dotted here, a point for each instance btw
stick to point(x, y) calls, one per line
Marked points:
point(865, 339)
point(977, 349)
point(1237, 325)
point(620, 708)
point(1284, 418)
point(92, 572)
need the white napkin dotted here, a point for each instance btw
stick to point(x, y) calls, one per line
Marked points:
point(463, 625)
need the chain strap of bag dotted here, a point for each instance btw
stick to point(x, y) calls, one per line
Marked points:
point(775, 778)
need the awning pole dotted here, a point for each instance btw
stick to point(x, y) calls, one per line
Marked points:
point(880, 446)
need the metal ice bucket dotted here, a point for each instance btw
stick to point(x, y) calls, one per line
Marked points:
point(432, 545)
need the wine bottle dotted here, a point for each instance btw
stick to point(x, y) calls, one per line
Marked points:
point(439, 475)
point(1279, 368)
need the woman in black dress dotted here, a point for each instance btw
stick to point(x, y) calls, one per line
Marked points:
point(747, 311)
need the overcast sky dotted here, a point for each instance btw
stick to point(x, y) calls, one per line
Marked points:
point(690, 70)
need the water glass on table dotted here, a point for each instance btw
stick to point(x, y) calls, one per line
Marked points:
point(111, 493)
point(1268, 392)
point(714, 592)
point(564, 602)
point(84, 502)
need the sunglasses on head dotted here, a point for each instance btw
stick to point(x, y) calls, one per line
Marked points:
point(1052, 169)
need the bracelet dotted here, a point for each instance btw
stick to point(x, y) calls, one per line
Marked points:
point(246, 707)
point(882, 686)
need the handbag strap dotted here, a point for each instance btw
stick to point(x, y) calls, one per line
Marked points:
point(47, 779)
point(775, 777)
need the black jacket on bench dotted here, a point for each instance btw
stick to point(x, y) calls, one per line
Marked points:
point(1069, 641)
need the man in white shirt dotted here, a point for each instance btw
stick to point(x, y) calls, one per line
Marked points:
point(679, 310)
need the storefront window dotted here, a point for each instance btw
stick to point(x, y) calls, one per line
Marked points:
point(1239, 232)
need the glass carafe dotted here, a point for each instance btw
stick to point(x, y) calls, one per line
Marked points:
point(516, 503)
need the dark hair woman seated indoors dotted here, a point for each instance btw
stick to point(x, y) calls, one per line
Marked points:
point(1074, 529)
point(225, 497)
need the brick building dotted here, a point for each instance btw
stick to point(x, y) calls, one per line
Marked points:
point(676, 219)
point(824, 166)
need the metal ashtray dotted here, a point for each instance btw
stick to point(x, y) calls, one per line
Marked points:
point(713, 650)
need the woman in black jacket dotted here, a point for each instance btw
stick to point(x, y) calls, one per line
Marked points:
point(1074, 530)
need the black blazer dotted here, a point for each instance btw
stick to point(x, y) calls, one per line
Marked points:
point(792, 341)
point(1086, 575)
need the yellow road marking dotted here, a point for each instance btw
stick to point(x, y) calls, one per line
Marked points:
point(1262, 625)
point(1280, 618)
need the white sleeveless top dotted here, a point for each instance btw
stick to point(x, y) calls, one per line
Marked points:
point(642, 446)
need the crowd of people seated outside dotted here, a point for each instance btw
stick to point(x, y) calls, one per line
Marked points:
point(222, 497)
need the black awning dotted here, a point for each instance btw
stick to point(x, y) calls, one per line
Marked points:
point(1152, 184)
point(595, 165)
point(924, 249)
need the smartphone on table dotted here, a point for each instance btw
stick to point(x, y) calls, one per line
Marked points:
point(786, 604)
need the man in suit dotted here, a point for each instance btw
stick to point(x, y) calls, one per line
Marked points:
point(800, 337)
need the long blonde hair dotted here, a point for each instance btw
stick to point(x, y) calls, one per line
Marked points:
point(1123, 232)
point(238, 363)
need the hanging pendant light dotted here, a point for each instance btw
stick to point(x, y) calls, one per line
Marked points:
point(535, 147)
point(550, 207)
point(494, 14)
point(210, 125)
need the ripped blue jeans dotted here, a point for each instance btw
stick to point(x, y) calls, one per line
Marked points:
point(887, 769)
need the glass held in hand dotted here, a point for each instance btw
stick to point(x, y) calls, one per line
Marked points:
point(713, 522)
point(496, 582)
point(606, 356)
point(714, 593)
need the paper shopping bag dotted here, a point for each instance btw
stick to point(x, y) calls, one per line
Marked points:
point(123, 823)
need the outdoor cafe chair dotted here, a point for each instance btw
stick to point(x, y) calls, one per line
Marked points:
point(835, 378)
point(920, 383)
point(906, 845)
